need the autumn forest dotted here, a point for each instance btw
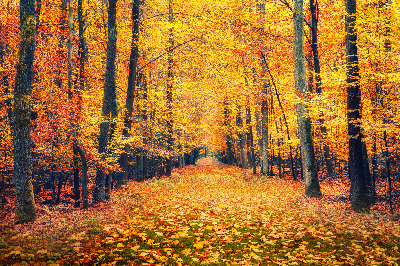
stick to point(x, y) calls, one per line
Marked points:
point(155, 132)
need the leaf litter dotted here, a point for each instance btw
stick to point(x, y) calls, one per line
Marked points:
point(209, 215)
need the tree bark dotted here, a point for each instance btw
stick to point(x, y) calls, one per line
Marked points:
point(318, 86)
point(84, 176)
point(77, 192)
point(170, 79)
point(250, 138)
point(109, 100)
point(130, 93)
point(24, 197)
point(264, 128)
point(358, 189)
point(229, 151)
point(312, 188)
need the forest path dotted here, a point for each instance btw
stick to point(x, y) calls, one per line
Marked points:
point(208, 214)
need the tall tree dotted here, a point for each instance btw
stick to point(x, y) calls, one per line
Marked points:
point(170, 79)
point(130, 92)
point(358, 189)
point(24, 198)
point(264, 101)
point(109, 99)
point(312, 188)
point(318, 83)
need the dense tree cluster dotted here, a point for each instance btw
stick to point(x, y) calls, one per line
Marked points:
point(96, 92)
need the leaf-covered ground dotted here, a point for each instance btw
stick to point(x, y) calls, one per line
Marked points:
point(208, 215)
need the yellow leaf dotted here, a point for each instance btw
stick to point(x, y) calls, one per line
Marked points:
point(135, 248)
point(120, 245)
point(163, 259)
point(186, 251)
point(208, 227)
point(198, 245)
point(150, 241)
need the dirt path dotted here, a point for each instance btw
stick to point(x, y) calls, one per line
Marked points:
point(209, 215)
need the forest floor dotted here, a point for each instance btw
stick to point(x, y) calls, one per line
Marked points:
point(208, 214)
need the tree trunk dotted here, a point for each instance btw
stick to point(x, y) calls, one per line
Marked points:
point(242, 141)
point(70, 47)
point(84, 176)
point(109, 99)
point(130, 93)
point(358, 189)
point(264, 130)
point(318, 87)
point(389, 179)
point(81, 51)
point(250, 138)
point(229, 151)
point(62, 22)
point(170, 79)
point(24, 198)
point(77, 192)
point(312, 188)
point(374, 170)
point(59, 186)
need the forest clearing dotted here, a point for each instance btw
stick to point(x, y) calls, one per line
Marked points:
point(209, 215)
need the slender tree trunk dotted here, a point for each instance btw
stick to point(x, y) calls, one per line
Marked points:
point(81, 51)
point(130, 93)
point(62, 22)
point(374, 170)
point(242, 140)
point(250, 142)
point(24, 198)
point(170, 79)
point(84, 176)
point(264, 128)
point(229, 151)
point(312, 188)
point(318, 83)
point(284, 115)
point(59, 186)
point(109, 99)
point(358, 190)
point(70, 46)
point(389, 179)
point(77, 192)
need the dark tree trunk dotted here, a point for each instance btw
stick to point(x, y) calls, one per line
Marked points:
point(81, 51)
point(358, 189)
point(388, 176)
point(84, 176)
point(318, 86)
point(70, 47)
point(170, 79)
point(24, 198)
point(312, 188)
point(59, 186)
point(264, 131)
point(77, 192)
point(109, 99)
point(130, 93)
point(63, 21)
point(242, 141)
point(250, 138)
point(229, 151)
point(374, 170)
